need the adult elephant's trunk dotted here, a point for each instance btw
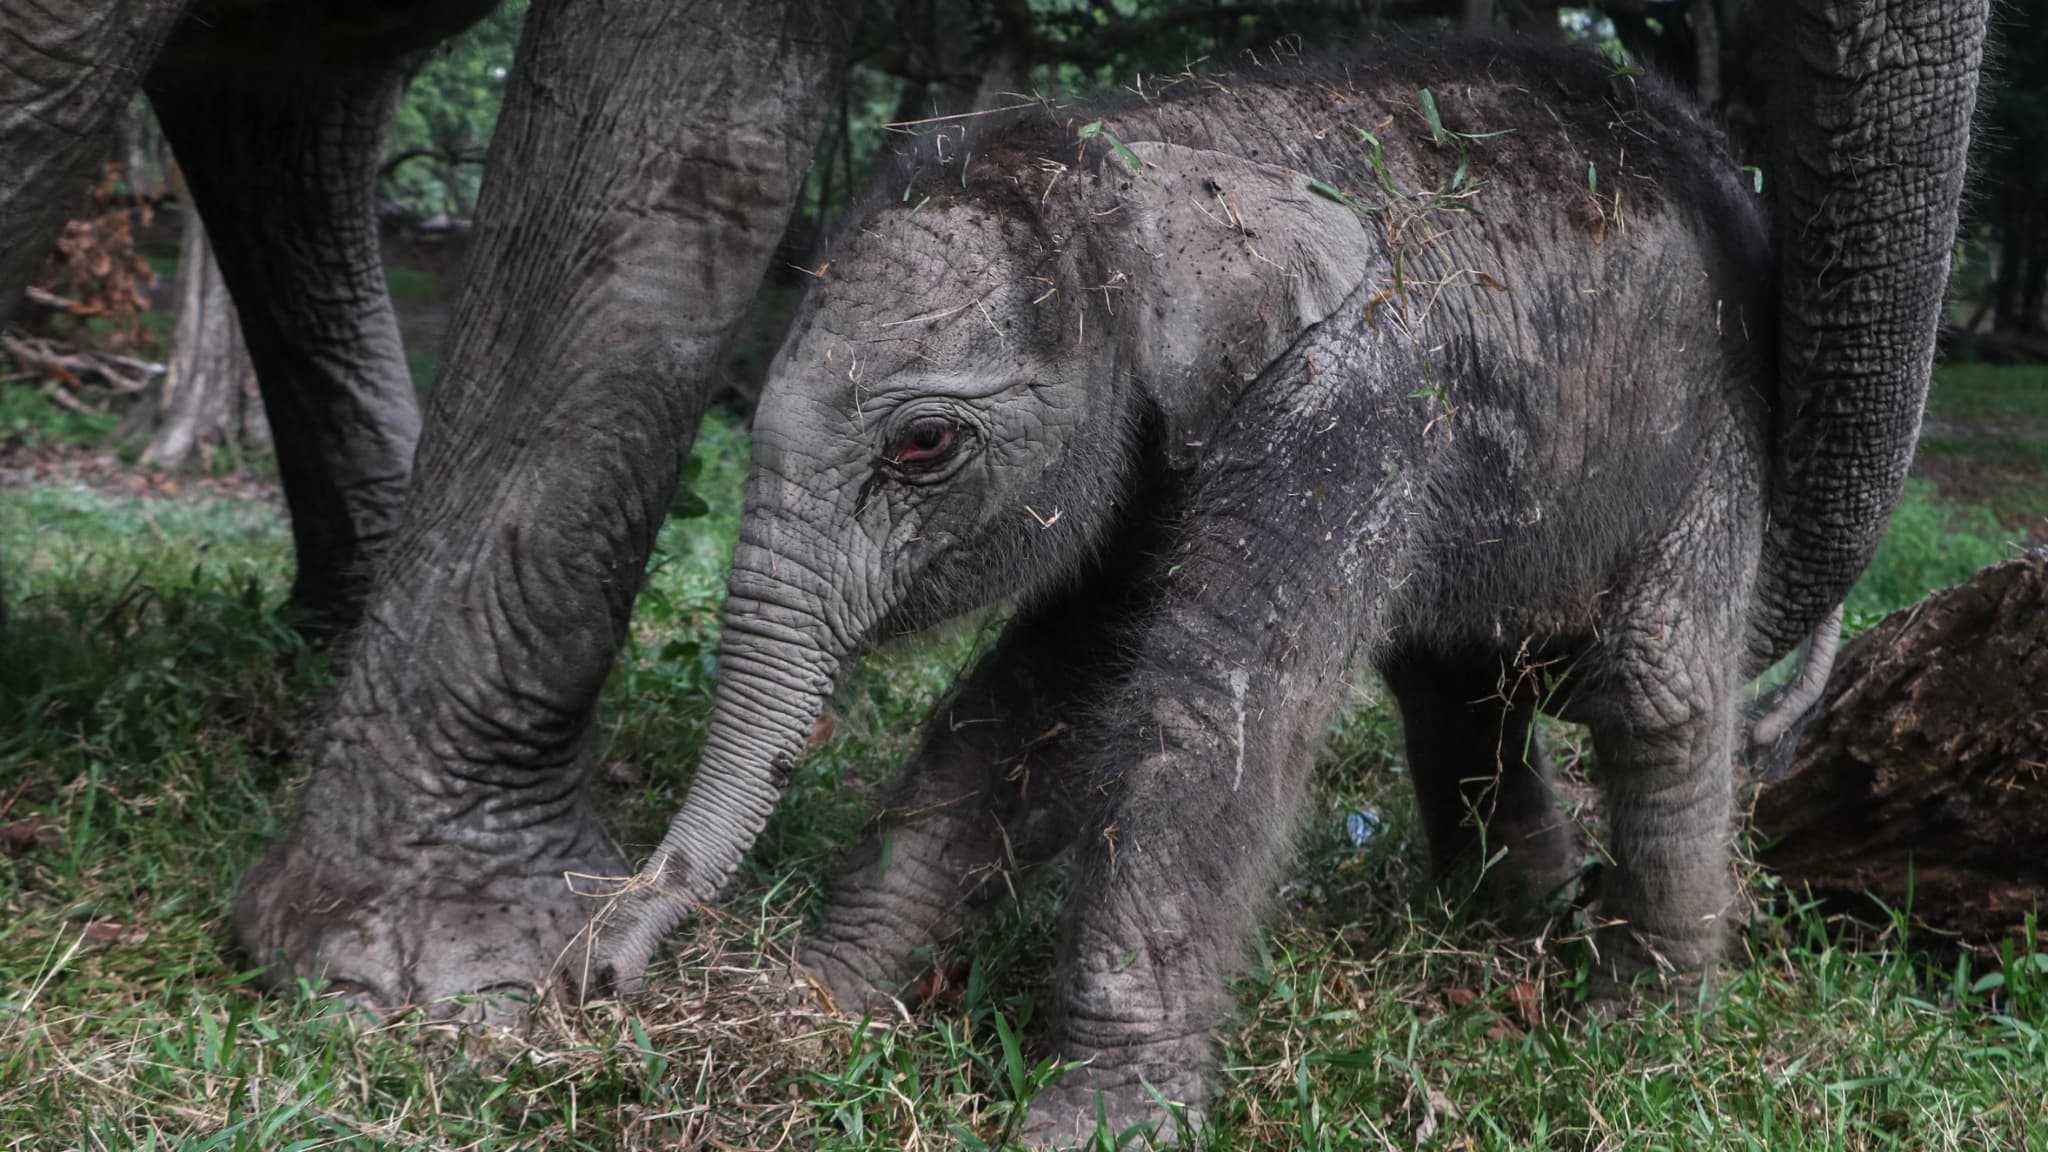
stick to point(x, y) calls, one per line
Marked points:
point(775, 674)
point(1874, 128)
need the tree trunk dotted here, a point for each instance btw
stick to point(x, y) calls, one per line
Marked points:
point(1924, 781)
point(2036, 281)
point(145, 180)
point(1706, 36)
point(208, 400)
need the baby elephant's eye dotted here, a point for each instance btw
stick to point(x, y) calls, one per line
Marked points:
point(927, 441)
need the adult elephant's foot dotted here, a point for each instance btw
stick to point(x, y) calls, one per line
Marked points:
point(1105, 1103)
point(394, 897)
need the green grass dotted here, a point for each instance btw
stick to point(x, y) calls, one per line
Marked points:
point(1931, 543)
point(1991, 393)
point(148, 702)
point(411, 283)
point(1986, 442)
point(29, 417)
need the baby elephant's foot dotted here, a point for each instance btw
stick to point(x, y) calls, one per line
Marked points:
point(1632, 983)
point(842, 984)
point(1116, 1107)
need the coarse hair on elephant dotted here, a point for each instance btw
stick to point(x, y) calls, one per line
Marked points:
point(1460, 358)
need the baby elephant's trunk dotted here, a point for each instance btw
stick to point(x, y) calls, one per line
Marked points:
point(775, 675)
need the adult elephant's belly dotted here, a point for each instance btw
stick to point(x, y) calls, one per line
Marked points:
point(291, 34)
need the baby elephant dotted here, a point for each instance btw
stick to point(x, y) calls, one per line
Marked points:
point(1456, 359)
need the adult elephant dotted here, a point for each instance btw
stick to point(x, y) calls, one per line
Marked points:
point(647, 158)
point(645, 164)
point(276, 112)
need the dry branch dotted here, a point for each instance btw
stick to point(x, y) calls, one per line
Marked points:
point(67, 365)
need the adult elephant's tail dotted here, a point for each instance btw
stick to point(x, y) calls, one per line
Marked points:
point(1873, 127)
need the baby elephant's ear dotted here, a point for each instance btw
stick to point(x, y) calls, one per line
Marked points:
point(1229, 260)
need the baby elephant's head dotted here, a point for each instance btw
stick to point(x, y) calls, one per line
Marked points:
point(981, 370)
point(986, 363)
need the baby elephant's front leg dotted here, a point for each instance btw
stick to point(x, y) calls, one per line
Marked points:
point(1204, 767)
point(988, 792)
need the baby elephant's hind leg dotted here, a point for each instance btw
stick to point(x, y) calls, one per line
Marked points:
point(1661, 712)
point(986, 795)
point(1483, 784)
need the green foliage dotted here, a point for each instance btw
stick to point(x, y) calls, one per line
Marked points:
point(1930, 544)
point(448, 113)
point(28, 416)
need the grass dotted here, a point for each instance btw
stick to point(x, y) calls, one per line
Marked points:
point(1932, 543)
point(422, 365)
point(1991, 393)
point(148, 704)
point(411, 283)
point(1986, 441)
point(28, 417)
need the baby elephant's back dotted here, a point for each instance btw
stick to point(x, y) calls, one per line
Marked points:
point(1574, 334)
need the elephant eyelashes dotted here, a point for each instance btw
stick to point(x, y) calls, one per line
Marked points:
point(922, 447)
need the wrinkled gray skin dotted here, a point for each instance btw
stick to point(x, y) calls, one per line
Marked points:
point(1226, 439)
point(644, 167)
point(646, 163)
point(276, 112)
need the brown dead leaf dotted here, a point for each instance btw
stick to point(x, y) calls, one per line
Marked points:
point(820, 732)
point(1528, 1004)
point(32, 833)
point(948, 983)
point(1461, 997)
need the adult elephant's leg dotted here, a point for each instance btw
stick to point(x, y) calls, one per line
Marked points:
point(991, 792)
point(641, 173)
point(282, 164)
point(66, 71)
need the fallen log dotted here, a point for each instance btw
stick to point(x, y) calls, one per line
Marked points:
point(1925, 776)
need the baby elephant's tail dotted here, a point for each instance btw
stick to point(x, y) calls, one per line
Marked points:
point(1781, 714)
